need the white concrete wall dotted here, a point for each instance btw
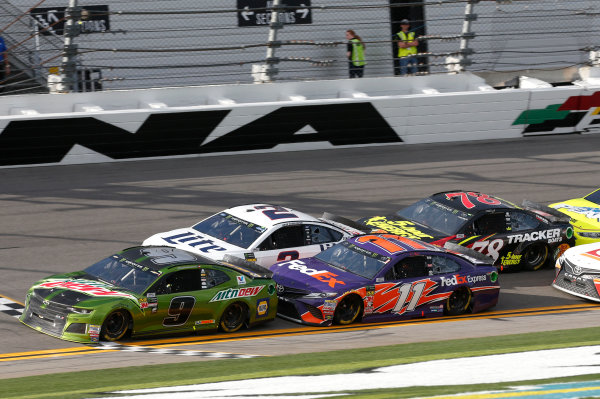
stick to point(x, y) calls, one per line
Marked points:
point(412, 110)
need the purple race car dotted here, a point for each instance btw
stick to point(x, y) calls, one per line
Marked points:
point(380, 277)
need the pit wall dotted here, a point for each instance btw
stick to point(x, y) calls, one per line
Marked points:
point(43, 129)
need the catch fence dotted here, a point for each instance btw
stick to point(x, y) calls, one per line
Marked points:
point(142, 44)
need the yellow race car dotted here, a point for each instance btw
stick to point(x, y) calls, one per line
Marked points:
point(585, 216)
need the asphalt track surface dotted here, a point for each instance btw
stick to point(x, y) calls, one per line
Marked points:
point(63, 218)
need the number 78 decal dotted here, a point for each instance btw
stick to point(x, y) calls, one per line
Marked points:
point(466, 201)
point(489, 247)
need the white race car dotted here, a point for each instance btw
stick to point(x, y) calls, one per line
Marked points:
point(260, 233)
point(578, 271)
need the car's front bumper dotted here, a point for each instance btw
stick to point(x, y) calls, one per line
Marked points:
point(303, 312)
point(583, 286)
point(56, 320)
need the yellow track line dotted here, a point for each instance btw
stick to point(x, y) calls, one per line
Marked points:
point(10, 299)
point(245, 336)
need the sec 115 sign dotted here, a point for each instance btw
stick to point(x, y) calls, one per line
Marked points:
point(258, 12)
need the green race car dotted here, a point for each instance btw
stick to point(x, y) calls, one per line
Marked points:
point(151, 290)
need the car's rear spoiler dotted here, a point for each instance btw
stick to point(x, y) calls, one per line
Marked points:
point(345, 224)
point(549, 213)
point(470, 253)
point(248, 268)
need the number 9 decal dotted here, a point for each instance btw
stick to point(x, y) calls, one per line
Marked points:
point(179, 311)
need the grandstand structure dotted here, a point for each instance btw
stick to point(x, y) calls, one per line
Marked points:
point(118, 45)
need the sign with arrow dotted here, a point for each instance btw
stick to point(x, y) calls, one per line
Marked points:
point(51, 19)
point(258, 13)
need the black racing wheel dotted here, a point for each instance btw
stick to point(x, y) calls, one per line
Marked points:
point(348, 310)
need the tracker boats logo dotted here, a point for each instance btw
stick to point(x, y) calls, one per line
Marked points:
point(576, 114)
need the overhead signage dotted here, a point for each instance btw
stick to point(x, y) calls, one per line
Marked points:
point(51, 19)
point(258, 12)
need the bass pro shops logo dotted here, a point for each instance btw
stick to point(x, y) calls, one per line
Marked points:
point(576, 114)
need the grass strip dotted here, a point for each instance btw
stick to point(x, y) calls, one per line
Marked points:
point(76, 385)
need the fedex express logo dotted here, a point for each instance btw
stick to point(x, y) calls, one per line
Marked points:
point(321, 275)
point(89, 287)
point(193, 240)
point(456, 280)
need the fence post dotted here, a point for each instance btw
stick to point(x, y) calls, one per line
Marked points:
point(271, 61)
point(464, 50)
point(69, 59)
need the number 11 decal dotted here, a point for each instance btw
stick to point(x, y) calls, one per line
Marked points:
point(403, 295)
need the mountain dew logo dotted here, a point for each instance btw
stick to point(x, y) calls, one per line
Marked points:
point(87, 286)
point(576, 114)
point(236, 293)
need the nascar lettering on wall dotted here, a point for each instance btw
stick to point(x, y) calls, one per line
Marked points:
point(578, 114)
point(183, 133)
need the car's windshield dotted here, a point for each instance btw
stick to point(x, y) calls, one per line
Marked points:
point(231, 229)
point(594, 197)
point(123, 274)
point(435, 215)
point(349, 257)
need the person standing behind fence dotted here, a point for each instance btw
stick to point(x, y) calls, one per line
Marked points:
point(4, 65)
point(356, 54)
point(407, 48)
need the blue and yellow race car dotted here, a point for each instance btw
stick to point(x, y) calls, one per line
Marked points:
point(585, 216)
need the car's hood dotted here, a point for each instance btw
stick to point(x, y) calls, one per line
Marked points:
point(395, 224)
point(584, 214)
point(586, 256)
point(73, 290)
point(191, 240)
point(313, 275)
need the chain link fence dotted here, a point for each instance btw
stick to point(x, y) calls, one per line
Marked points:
point(143, 44)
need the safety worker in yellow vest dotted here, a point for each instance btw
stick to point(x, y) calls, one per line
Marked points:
point(407, 48)
point(356, 54)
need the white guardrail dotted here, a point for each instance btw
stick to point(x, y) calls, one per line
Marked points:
point(42, 129)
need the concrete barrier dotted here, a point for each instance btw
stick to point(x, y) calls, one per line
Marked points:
point(108, 126)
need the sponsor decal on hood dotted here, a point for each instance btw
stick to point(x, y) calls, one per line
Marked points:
point(93, 288)
point(404, 228)
point(310, 272)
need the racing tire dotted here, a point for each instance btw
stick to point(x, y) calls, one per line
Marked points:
point(233, 317)
point(116, 325)
point(348, 310)
point(458, 302)
point(535, 256)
